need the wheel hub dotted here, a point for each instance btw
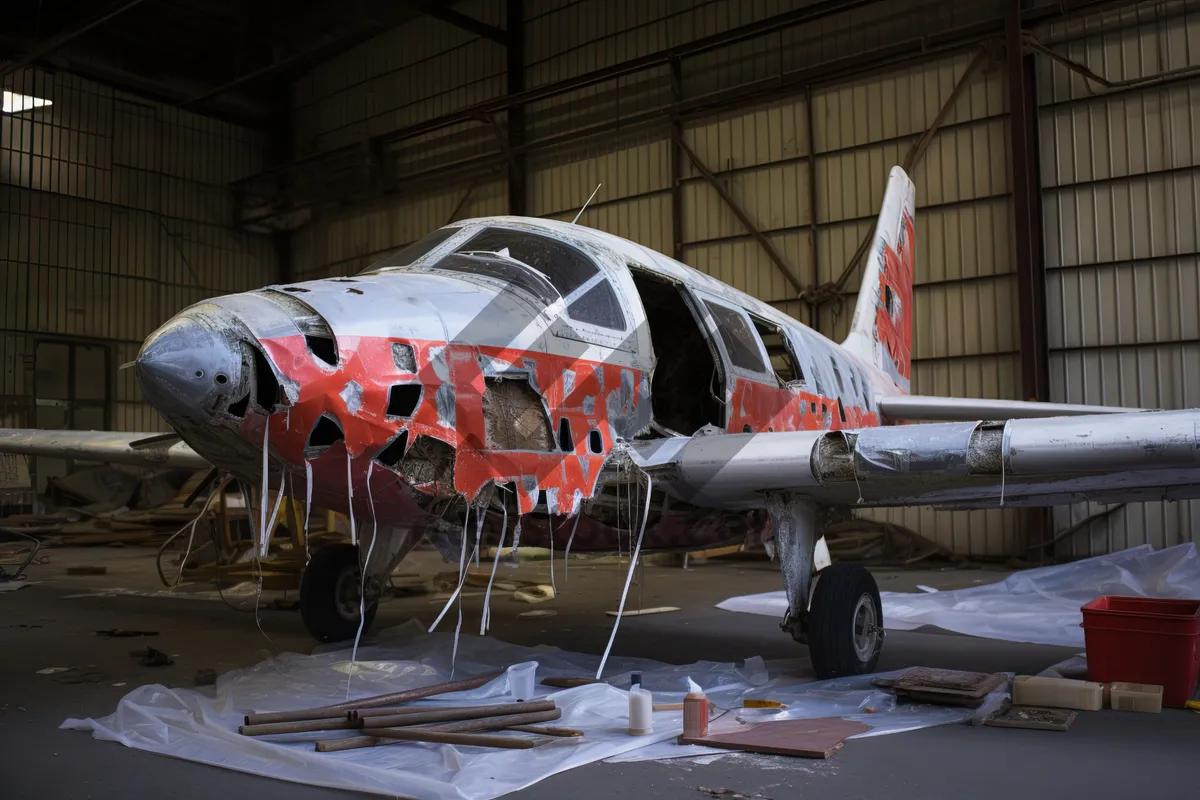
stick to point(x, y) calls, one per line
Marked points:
point(347, 594)
point(866, 627)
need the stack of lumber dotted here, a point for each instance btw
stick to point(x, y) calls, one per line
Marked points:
point(387, 719)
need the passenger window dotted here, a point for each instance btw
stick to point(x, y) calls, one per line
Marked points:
point(566, 267)
point(739, 340)
point(598, 306)
point(786, 368)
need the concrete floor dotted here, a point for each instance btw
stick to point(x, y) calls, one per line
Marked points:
point(1105, 754)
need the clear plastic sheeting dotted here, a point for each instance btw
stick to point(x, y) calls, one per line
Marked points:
point(908, 449)
point(201, 725)
point(1039, 606)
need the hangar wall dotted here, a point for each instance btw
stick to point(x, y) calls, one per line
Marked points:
point(825, 112)
point(1120, 173)
point(115, 213)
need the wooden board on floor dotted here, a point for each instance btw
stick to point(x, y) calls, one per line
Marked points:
point(950, 687)
point(1034, 718)
point(806, 738)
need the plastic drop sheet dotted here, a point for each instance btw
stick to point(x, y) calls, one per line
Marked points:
point(201, 725)
point(1039, 606)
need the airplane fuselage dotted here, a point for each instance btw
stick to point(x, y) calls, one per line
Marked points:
point(501, 352)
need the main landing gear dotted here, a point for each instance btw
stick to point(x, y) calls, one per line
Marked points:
point(838, 614)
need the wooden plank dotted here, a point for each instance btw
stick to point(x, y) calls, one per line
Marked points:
point(806, 738)
point(644, 612)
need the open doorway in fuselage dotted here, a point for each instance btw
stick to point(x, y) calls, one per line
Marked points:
point(687, 387)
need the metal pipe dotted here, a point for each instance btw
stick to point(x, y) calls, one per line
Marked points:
point(393, 698)
point(298, 726)
point(466, 739)
point(450, 714)
point(508, 722)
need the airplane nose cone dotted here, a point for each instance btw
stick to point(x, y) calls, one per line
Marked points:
point(186, 369)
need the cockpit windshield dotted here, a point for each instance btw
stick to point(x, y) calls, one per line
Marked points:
point(501, 268)
point(546, 267)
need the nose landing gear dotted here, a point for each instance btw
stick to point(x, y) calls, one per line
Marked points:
point(330, 594)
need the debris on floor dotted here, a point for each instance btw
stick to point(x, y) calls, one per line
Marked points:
point(205, 677)
point(198, 724)
point(538, 593)
point(730, 794)
point(150, 657)
point(643, 612)
point(122, 633)
point(1034, 718)
point(53, 670)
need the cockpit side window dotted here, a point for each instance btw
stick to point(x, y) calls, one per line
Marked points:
point(569, 271)
point(566, 267)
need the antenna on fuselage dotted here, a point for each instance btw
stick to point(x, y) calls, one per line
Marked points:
point(585, 205)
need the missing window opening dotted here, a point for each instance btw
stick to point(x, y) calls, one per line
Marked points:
point(354, 291)
point(514, 416)
point(565, 442)
point(325, 434)
point(295, 289)
point(403, 399)
point(889, 301)
point(841, 410)
point(404, 357)
point(323, 348)
point(266, 386)
point(391, 455)
point(238, 407)
point(595, 442)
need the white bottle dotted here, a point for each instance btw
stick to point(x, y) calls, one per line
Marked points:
point(641, 710)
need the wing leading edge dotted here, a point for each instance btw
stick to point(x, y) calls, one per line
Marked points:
point(148, 449)
point(1138, 456)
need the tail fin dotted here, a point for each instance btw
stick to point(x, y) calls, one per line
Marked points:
point(881, 331)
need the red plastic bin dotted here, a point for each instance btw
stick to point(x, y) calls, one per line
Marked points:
point(1143, 640)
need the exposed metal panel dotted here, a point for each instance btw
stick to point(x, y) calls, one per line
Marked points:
point(1120, 173)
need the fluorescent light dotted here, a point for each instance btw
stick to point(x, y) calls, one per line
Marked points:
point(16, 103)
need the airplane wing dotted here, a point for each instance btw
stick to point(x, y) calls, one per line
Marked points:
point(1134, 457)
point(917, 408)
point(148, 449)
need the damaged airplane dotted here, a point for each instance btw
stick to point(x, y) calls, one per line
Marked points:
point(524, 381)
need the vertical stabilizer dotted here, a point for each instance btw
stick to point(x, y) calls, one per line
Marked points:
point(881, 331)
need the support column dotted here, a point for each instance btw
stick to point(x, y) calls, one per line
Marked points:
point(676, 161)
point(517, 188)
point(1027, 215)
point(1031, 276)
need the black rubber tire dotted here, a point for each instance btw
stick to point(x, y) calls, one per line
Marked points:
point(319, 607)
point(831, 621)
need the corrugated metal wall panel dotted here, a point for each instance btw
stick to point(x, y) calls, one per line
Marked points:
point(346, 243)
point(1120, 173)
point(419, 70)
point(115, 213)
